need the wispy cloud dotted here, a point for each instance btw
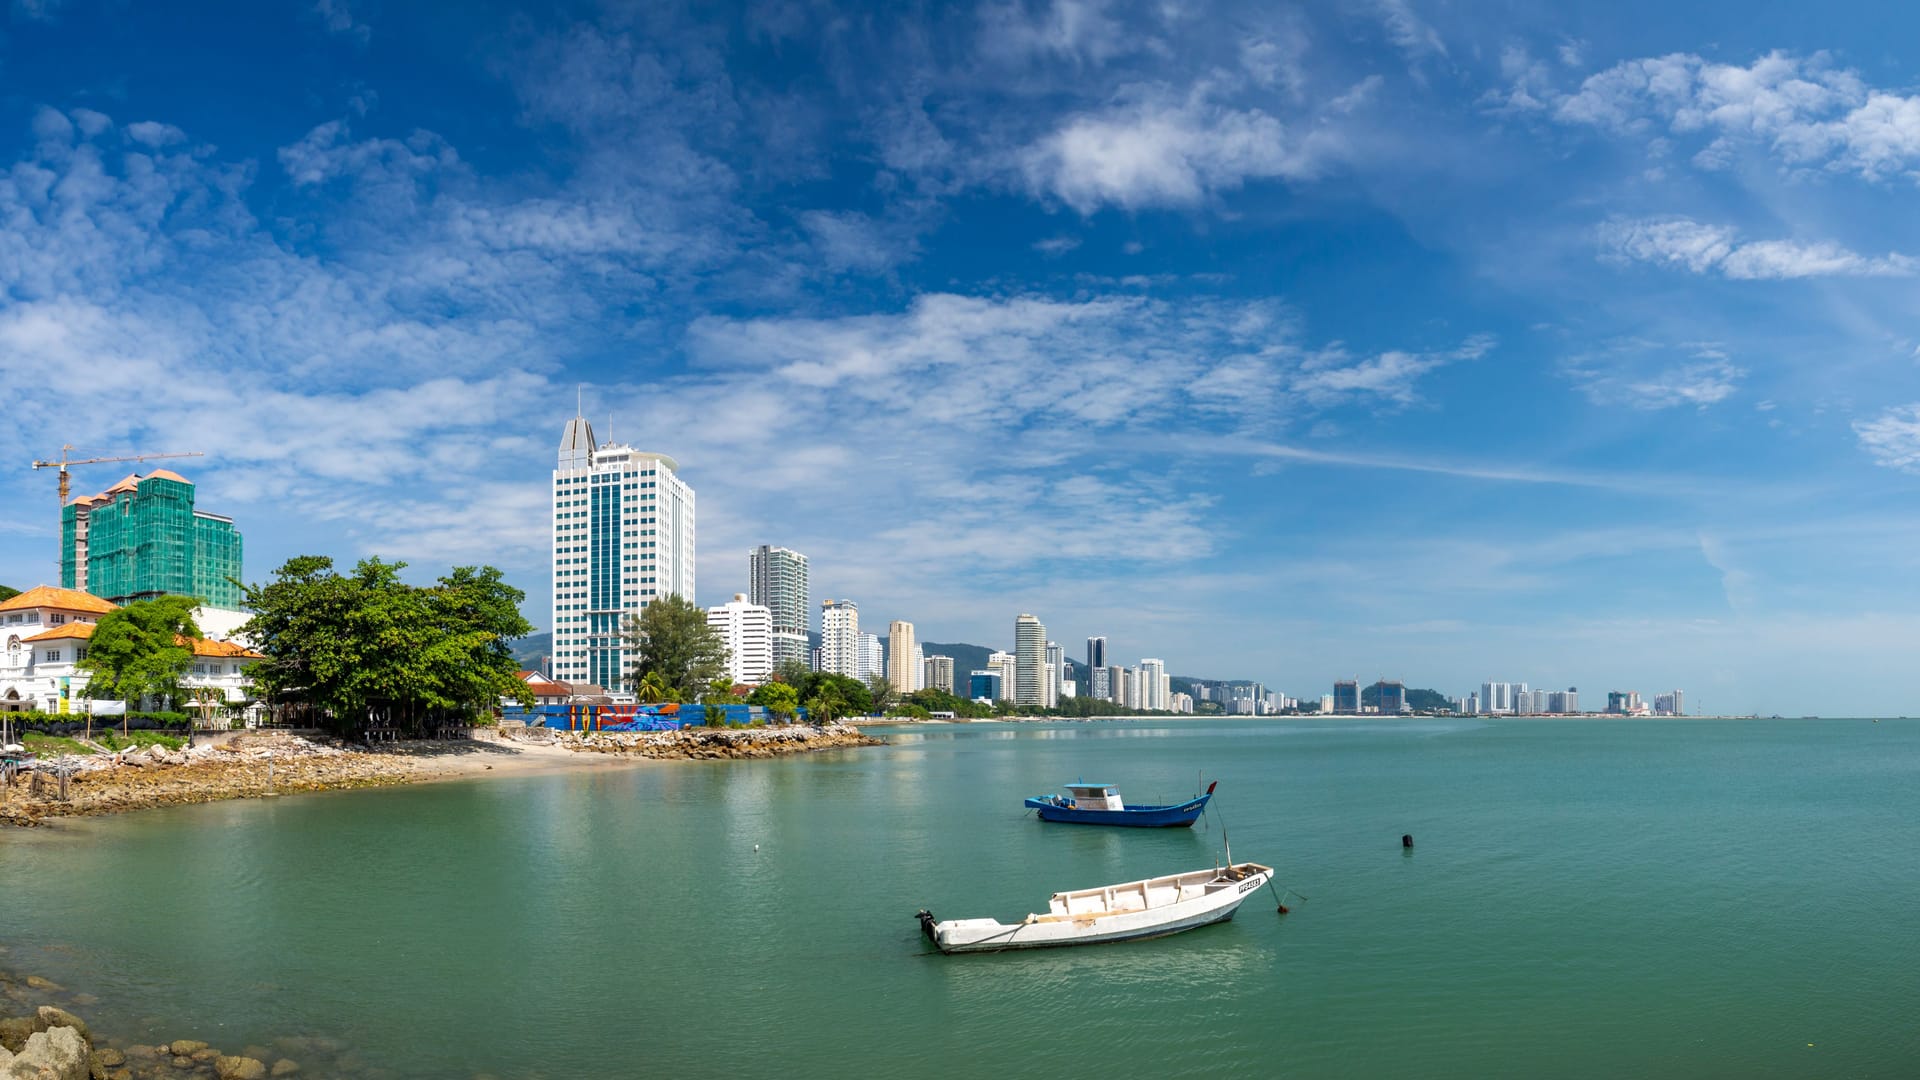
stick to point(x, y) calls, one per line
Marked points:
point(1892, 439)
point(1684, 243)
point(1640, 375)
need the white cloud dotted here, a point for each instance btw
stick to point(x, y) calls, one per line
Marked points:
point(1893, 438)
point(1154, 153)
point(1683, 243)
point(337, 16)
point(1803, 110)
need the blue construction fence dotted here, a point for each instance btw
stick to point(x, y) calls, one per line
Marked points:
point(621, 718)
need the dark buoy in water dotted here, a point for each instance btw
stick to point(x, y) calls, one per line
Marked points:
point(1406, 840)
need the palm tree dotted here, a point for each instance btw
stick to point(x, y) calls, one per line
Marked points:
point(653, 689)
point(825, 707)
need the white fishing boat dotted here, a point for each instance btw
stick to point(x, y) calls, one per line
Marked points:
point(1137, 909)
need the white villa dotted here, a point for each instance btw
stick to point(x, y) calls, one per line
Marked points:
point(45, 632)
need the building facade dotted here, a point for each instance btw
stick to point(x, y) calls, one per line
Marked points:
point(1030, 661)
point(1003, 662)
point(747, 628)
point(1392, 695)
point(777, 581)
point(937, 673)
point(903, 657)
point(1346, 697)
point(143, 538)
point(45, 633)
point(871, 659)
point(839, 637)
point(986, 686)
point(623, 537)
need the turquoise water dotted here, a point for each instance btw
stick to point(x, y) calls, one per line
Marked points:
point(1657, 898)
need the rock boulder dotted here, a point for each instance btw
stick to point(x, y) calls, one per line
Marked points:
point(59, 1054)
point(240, 1068)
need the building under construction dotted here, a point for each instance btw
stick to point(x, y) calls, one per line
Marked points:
point(142, 538)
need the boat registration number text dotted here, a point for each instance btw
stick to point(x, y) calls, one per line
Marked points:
point(1254, 884)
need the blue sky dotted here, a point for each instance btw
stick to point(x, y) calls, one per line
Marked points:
point(1392, 337)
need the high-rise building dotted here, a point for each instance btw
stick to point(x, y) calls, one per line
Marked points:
point(1346, 697)
point(1496, 697)
point(747, 628)
point(1672, 704)
point(1096, 653)
point(872, 658)
point(777, 581)
point(1030, 661)
point(623, 528)
point(1116, 684)
point(1154, 690)
point(1392, 695)
point(985, 686)
point(903, 657)
point(1004, 663)
point(840, 637)
point(1056, 672)
point(1182, 703)
point(142, 538)
point(938, 673)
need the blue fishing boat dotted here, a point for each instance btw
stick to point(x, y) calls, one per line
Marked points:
point(1100, 804)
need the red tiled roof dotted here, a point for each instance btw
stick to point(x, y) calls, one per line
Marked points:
point(80, 630)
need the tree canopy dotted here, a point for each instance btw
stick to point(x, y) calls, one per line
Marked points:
point(778, 698)
point(354, 645)
point(8, 592)
point(141, 650)
point(672, 639)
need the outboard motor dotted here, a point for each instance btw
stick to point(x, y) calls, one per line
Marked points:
point(926, 923)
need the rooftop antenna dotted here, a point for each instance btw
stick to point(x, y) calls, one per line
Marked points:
point(579, 400)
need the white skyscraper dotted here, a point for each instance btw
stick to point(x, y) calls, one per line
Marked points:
point(939, 674)
point(1004, 663)
point(1154, 688)
point(840, 637)
point(1030, 661)
point(747, 629)
point(777, 580)
point(871, 658)
point(622, 538)
point(1056, 671)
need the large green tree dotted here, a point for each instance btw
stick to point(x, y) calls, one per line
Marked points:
point(672, 639)
point(7, 592)
point(140, 651)
point(353, 646)
point(778, 698)
point(881, 693)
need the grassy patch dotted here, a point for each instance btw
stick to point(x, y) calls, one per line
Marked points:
point(139, 740)
point(52, 745)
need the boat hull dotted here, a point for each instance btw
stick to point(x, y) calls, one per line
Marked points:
point(1038, 932)
point(1178, 816)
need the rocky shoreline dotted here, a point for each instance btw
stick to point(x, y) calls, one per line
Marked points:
point(42, 1040)
point(256, 765)
point(697, 744)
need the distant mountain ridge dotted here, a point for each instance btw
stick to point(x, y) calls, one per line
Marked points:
point(530, 652)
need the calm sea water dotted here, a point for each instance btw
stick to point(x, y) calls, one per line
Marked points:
point(1660, 898)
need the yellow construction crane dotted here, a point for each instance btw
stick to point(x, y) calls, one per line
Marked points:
point(66, 459)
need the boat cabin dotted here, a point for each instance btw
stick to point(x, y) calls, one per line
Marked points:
point(1095, 797)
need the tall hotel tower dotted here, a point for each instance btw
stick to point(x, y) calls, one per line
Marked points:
point(778, 582)
point(622, 538)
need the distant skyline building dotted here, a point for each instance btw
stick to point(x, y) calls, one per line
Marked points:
point(938, 673)
point(872, 658)
point(623, 536)
point(1030, 661)
point(777, 581)
point(1056, 672)
point(1096, 653)
point(840, 637)
point(1346, 697)
point(985, 686)
point(1115, 684)
point(747, 628)
point(1004, 663)
point(143, 538)
point(1155, 691)
point(903, 657)
point(1392, 694)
